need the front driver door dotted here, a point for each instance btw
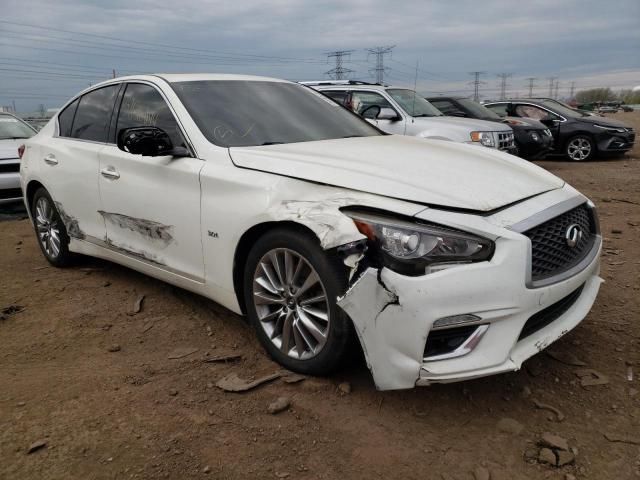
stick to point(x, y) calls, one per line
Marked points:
point(549, 119)
point(151, 205)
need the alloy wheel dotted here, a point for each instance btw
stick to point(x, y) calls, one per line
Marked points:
point(579, 149)
point(291, 303)
point(48, 227)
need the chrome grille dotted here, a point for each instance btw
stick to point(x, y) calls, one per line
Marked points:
point(550, 251)
point(505, 140)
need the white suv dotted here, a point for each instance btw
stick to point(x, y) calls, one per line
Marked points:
point(402, 112)
point(447, 261)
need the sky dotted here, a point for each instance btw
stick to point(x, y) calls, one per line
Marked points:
point(50, 50)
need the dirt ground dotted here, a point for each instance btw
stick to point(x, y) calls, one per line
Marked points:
point(95, 382)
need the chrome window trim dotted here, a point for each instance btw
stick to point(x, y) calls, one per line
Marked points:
point(531, 105)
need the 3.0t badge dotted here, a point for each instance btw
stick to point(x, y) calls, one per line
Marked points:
point(573, 235)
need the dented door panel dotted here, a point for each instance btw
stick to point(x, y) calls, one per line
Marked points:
point(152, 210)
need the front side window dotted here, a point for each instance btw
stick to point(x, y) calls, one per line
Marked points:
point(531, 111)
point(143, 106)
point(91, 121)
point(13, 128)
point(243, 113)
point(361, 103)
point(412, 103)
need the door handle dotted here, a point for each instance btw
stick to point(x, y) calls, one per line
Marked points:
point(110, 173)
point(51, 159)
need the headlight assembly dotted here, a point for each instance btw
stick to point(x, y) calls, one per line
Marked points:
point(610, 129)
point(410, 248)
point(485, 138)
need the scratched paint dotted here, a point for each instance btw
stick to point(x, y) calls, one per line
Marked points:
point(144, 227)
point(70, 223)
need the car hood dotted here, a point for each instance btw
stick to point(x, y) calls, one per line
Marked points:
point(431, 172)
point(471, 124)
point(609, 122)
point(9, 148)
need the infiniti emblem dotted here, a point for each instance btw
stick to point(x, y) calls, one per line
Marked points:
point(573, 235)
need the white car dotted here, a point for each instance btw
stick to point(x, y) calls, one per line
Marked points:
point(402, 111)
point(448, 261)
point(13, 133)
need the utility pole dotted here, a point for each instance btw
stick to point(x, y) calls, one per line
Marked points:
point(557, 87)
point(531, 85)
point(114, 73)
point(379, 69)
point(476, 82)
point(338, 72)
point(551, 83)
point(13, 102)
point(573, 89)
point(503, 84)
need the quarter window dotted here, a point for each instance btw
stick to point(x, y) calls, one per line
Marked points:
point(65, 119)
point(143, 106)
point(93, 115)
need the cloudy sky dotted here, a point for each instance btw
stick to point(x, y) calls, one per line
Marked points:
point(49, 50)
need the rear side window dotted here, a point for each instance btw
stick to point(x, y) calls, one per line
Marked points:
point(65, 119)
point(94, 114)
point(143, 106)
point(340, 97)
point(499, 108)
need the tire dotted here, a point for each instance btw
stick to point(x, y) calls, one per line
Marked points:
point(50, 230)
point(580, 148)
point(295, 301)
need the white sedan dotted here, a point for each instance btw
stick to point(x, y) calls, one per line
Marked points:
point(447, 261)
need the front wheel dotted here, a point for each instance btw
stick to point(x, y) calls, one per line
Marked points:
point(580, 148)
point(291, 288)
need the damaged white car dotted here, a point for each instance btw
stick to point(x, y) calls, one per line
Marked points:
point(447, 261)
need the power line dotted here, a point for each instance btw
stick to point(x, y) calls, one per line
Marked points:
point(339, 72)
point(503, 84)
point(380, 52)
point(476, 82)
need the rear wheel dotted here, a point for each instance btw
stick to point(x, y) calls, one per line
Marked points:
point(580, 148)
point(291, 287)
point(50, 230)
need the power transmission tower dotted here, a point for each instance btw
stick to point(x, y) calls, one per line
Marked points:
point(379, 69)
point(573, 89)
point(557, 87)
point(551, 83)
point(503, 84)
point(531, 85)
point(338, 72)
point(476, 82)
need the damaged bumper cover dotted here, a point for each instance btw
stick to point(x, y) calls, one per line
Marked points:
point(394, 315)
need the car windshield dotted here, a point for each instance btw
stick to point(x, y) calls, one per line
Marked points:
point(412, 103)
point(477, 110)
point(563, 110)
point(11, 127)
point(245, 113)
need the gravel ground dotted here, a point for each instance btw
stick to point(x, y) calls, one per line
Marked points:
point(98, 391)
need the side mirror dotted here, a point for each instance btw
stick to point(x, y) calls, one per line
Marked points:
point(387, 113)
point(148, 142)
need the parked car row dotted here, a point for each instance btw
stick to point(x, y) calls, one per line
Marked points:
point(13, 133)
point(446, 261)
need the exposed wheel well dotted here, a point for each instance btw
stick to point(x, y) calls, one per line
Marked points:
point(32, 188)
point(246, 243)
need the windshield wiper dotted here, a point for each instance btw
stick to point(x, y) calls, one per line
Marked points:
point(351, 136)
point(271, 143)
point(425, 115)
point(13, 138)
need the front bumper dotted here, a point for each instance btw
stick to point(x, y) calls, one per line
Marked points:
point(10, 187)
point(615, 142)
point(394, 314)
point(531, 148)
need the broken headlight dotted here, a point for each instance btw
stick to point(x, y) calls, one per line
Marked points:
point(411, 248)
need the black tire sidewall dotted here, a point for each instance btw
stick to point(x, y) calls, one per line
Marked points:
point(587, 138)
point(64, 256)
point(332, 273)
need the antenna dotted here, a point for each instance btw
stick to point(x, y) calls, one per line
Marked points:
point(338, 72)
point(379, 69)
point(415, 85)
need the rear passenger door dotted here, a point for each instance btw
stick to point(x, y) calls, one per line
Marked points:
point(151, 205)
point(70, 163)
